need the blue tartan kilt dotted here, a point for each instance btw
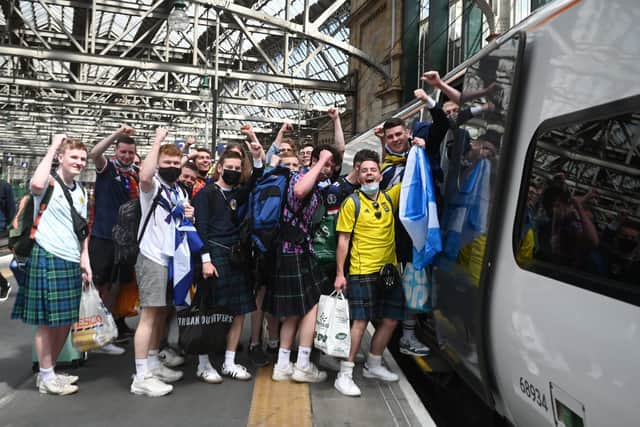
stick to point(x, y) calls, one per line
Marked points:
point(51, 292)
point(233, 288)
point(296, 285)
point(369, 300)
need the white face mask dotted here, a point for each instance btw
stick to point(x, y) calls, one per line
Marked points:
point(370, 189)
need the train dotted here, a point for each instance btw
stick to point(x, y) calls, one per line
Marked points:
point(536, 294)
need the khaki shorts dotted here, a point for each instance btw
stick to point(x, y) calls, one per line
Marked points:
point(153, 283)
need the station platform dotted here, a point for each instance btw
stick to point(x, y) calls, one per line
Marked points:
point(104, 398)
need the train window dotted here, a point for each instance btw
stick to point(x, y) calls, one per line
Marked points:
point(579, 212)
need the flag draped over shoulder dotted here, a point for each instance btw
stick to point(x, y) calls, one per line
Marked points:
point(181, 265)
point(466, 216)
point(418, 211)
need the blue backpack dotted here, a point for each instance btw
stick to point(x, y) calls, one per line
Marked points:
point(266, 205)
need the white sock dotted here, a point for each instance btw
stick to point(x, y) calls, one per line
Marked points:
point(47, 374)
point(303, 357)
point(373, 361)
point(408, 330)
point(229, 359)
point(284, 358)
point(153, 360)
point(203, 361)
point(141, 368)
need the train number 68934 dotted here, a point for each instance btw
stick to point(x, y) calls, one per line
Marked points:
point(533, 393)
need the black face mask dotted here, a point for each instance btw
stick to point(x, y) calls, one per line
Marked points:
point(169, 175)
point(231, 177)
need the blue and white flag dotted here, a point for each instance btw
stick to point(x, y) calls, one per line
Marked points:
point(466, 216)
point(418, 211)
point(181, 264)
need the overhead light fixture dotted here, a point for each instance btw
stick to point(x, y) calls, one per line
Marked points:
point(178, 19)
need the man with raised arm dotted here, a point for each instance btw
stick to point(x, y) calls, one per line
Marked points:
point(158, 178)
point(116, 184)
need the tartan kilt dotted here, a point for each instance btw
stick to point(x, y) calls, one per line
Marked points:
point(296, 285)
point(51, 293)
point(369, 300)
point(233, 289)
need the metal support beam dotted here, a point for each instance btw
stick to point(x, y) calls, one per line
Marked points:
point(298, 83)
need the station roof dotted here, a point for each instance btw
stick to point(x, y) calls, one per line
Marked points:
point(83, 67)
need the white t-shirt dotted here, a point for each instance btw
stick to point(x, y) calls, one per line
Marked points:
point(55, 230)
point(158, 240)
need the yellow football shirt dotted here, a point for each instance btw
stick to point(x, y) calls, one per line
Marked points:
point(373, 241)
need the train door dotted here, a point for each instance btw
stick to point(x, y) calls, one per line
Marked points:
point(472, 158)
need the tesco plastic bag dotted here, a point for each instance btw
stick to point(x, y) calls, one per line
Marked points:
point(417, 289)
point(333, 334)
point(95, 326)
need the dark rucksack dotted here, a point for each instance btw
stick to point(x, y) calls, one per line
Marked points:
point(266, 205)
point(23, 226)
point(126, 240)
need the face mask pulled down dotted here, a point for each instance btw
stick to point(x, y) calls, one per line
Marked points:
point(370, 189)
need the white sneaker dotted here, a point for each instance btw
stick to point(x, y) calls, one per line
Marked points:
point(413, 347)
point(170, 358)
point(209, 375)
point(62, 377)
point(56, 386)
point(310, 374)
point(110, 349)
point(345, 385)
point(165, 374)
point(380, 373)
point(329, 362)
point(282, 374)
point(150, 386)
point(237, 372)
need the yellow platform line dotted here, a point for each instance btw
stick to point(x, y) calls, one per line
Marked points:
point(279, 403)
point(423, 364)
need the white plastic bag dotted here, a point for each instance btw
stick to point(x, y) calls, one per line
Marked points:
point(333, 334)
point(95, 326)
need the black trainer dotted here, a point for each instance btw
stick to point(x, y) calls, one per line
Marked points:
point(258, 356)
point(5, 290)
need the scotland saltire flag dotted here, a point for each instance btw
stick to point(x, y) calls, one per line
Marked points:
point(181, 266)
point(466, 216)
point(418, 211)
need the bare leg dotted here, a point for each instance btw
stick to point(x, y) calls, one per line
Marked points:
point(257, 317)
point(288, 331)
point(233, 336)
point(357, 332)
point(307, 327)
point(159, 328)
point(144, 332)
point(273, 324)
point(382, 336)
point(45, 341)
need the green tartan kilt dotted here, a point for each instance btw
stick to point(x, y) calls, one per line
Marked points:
point(51, 293)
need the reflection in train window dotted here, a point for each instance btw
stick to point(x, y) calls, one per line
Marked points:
point(582, 207)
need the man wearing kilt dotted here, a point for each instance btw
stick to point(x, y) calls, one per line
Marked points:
point(222, 207)
point(373, 245)
point(298, 281)
point(58, 265)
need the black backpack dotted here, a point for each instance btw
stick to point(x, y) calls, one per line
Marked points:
point(126, 240)
point(23, 226)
